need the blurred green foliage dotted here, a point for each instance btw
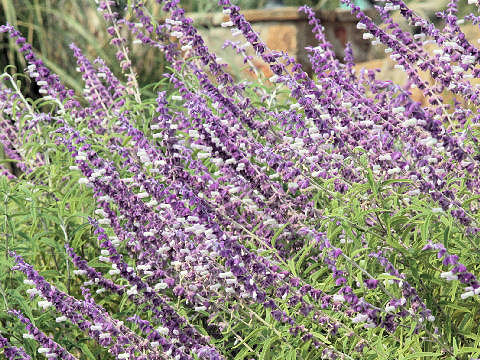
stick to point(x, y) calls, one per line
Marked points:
point(52, 25)
point(209, 5)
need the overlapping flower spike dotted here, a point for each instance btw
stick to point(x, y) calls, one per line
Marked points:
point(94, 275)
point(99, 98)
point(139, 229)
point(187, 210)
point(123, 53)
point(13, 352)
point(108, 332)
point(49, 83)
point(451, 144)
point(48, 348)
point(9, 135)
point(295, 133)
point(399, 168)
point(458, 272)
point(185, 334)
point(117, 90)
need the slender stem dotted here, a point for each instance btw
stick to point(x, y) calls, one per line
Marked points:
point(67, 242)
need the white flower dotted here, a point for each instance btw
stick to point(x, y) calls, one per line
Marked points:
point(225, 275)
point(215, 287)
point(467, 294)
point(177, 34)
point(234, 190)
point(162, 330)
point(203, 155)
point(79, 272)
point(123, 356)
point(44, 304)
point(292, 186)
point(152, 203)
point(101, 212)
point(177, 97)
point(28, 336)
point(104, 221)
point(468, 59)
point(83, 181)
point(360, 318)
point(449, 276)
point(43, 350)
point(144, 267)
point(410, 122)
point(29, 282)
point(227, 24)
point(338, 298)
point(230, 161)
point(367, 36)
point(132, 290)
point(390, 308)
point(395, 170)
point(160, 286)
point(420, 36)
point(143, 195)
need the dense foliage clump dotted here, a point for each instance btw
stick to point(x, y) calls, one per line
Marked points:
point(294, 217)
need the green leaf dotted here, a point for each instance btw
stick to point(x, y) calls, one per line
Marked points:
point(425, 228)
point(265, 354)
point(467, 350)
point(418, 355)
point(87, 352)
point(243, 354)
point(278, 233)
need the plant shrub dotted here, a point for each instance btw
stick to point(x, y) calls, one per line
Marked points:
point(293, 217)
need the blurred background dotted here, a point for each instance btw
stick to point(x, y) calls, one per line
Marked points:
point(51, 25)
